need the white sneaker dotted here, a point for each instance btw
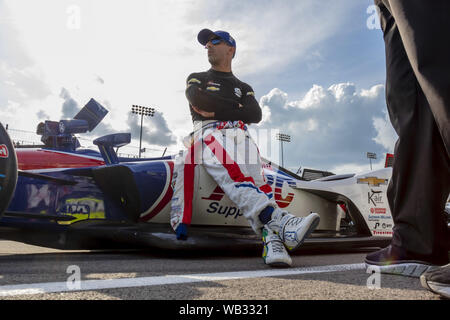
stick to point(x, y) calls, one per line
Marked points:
point(291, 229)
point(274, 252)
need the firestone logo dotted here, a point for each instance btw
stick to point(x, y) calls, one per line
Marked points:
point(382, 233)
point(378, 210)
point(3, 151)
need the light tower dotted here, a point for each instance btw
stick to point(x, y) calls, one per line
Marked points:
point(142, 111)
point(283, 138)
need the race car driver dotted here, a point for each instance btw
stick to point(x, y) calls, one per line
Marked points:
point(221, 107)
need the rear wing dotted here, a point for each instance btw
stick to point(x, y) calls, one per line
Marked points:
point(60, 135)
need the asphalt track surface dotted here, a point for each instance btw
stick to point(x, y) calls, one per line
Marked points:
point(30, 272)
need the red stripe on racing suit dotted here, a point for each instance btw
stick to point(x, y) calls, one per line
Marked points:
point(243, 183)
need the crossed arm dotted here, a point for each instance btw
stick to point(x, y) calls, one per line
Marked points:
point(215, 107)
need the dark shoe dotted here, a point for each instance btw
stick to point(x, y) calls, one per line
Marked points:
point(437, 281)
point(395, 260)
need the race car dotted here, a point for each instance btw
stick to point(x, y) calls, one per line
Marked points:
point(66, 197)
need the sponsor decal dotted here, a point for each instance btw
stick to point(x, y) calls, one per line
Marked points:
point(216, 195)
point(3, 151)
point(238, 92)
point(250, 93)
point(382, 233)
point(212, 89)
point(38, 196)
point(75, 208)
point(378, 210)
point(386, 225)
point(232, 212)
point(174, 180)
point(280, 180)
point(194, 80)
point(82, 209)
point(213, 84)
point(282, 202)
point(374, 197)
point(372, 181)
point(383, 225)
point(378, 218)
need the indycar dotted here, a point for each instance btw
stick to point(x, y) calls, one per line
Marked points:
point(63, 196)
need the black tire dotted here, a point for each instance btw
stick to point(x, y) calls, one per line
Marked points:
point(8, 170)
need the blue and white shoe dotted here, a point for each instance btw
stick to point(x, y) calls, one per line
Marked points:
point(274, 252)
point(291, 229)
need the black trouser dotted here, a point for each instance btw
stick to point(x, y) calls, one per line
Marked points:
point(417, 40)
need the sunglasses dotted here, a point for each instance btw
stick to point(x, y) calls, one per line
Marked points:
point(216, 41)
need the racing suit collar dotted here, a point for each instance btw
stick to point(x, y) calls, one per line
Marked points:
point(220, 73)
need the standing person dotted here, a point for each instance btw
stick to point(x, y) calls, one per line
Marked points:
point(416, 35)
point(437, 281)
point(221, 107)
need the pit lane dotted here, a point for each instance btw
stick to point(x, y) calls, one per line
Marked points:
point(150, 274)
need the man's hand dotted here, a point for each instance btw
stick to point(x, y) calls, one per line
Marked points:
point(205, 114)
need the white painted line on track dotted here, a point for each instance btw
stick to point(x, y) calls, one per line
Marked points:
point(87, 285)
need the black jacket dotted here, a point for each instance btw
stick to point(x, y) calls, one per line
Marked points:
point(224, 94)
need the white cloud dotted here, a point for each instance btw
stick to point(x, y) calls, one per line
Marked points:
point(274, 97)
point(386, 135)
point(123, 52)
point(70, 107)
point(315, 97)
point(357, 168)
point(155, 131)
point(150, 46)
point(21, 81)
point(331, 128)
point(271, 34)
point(140, 52)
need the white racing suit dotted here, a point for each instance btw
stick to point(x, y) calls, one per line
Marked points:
point(229, 154)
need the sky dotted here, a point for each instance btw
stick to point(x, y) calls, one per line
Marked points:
point(317, 68)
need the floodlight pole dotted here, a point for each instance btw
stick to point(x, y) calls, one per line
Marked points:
point(142, 111)
point(371, 155)
point(140, 137)
point(283, 138)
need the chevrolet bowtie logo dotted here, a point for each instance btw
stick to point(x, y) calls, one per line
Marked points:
point(373, 181)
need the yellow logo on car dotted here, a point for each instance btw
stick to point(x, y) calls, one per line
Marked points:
point(373, 181)
point(82, 209)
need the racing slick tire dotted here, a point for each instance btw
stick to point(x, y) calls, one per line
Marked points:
point(8, 170)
